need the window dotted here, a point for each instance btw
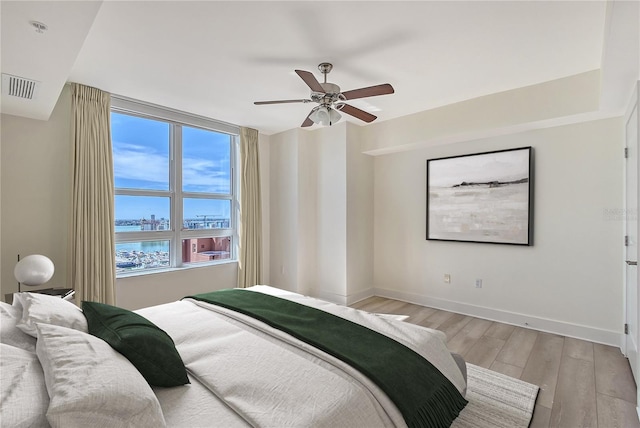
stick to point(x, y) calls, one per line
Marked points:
point(175, 196)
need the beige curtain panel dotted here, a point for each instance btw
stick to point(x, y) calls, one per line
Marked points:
point(250, 230)
point(91, 243)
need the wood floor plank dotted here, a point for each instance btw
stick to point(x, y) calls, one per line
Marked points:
point(543, 366)
point(574, 404)
point(414, 311)
point(467, 337)
point(484, 352)
point(410, 308)
point(396, 308)
point(507, 369)
point(576, 348)
point(518, 347)
point(616, 413)
point(500, 331)
point(420, 315)
point(452, 325)
point(369, 302)
point(389, 307)
point(613, 374)
point(436, 318)
point(541, 417)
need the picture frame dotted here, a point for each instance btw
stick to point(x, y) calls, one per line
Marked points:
point(481, 197)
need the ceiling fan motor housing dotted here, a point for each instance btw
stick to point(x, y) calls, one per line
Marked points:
point(331, 94)
point(330, 88)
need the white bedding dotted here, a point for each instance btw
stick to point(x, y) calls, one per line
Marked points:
point(242, 372)
point(246, 373)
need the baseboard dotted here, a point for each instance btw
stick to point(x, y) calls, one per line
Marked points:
point(338, 299)
point(343, 300)
point(577, 331)
point(360, 295)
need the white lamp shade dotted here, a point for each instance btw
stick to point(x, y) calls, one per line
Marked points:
point(324, 116)
point(35, 269)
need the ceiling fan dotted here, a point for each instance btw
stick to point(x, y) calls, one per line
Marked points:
point(331, 100)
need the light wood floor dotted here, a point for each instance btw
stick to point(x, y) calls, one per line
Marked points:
point(582, 384)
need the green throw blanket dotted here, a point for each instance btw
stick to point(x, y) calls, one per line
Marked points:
point(422, 394)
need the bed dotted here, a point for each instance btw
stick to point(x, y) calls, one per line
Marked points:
point(240, 369)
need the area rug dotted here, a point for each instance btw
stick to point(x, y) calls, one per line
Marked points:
point(496, 401)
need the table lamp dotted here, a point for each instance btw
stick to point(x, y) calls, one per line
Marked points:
point(35, 269)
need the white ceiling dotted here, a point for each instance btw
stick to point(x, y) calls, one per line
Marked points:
point(215, 58)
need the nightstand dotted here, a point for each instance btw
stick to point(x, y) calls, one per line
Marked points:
point(63, 293)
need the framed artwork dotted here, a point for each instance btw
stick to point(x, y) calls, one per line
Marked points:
point(482, 197)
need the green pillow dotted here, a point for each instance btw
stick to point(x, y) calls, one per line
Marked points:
point(149, 348)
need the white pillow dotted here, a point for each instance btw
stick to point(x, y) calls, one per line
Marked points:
point(9, 333)
point(24, 398)
point(45, 309)
point(91, 384)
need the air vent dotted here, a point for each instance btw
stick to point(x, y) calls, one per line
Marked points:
point(19, 87)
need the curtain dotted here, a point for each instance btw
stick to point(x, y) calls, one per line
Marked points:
point(250, 230)
point(91, 240)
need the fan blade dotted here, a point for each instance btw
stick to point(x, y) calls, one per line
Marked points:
point(307, 121)
point(356, 112)
point(370, 91)
point(310, 80)
point(259, 103)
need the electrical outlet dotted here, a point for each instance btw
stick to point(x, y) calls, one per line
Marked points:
point(478, 283)
point(447, 278)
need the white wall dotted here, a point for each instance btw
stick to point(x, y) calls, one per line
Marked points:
point(322, 193)
point(35, 191)
point(331, 226)
point(369, 235)
point(162, 287)
point(567, 282)
point(306, 212)
point(492, 114)
point(283, 212)
point(360, 214)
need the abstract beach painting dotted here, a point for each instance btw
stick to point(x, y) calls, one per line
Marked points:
point(482, 197)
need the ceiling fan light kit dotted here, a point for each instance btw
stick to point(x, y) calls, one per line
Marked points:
point(331, 99)
point(325, 116)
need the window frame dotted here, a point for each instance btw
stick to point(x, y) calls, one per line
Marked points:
point(176, 121)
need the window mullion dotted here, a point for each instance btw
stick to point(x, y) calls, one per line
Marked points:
point(142, 192)
point(202, 195)
point(143, 236)
point(176, 200)
point(235, 190)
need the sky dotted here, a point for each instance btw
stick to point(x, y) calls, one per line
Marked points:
point(141, 161)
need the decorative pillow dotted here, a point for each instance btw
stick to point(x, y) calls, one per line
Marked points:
point(45, 309)
point(9, 333)
point(90, 384)
point(148, 347)
point(24, 395)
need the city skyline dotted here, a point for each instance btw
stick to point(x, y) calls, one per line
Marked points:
point(138, 207)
